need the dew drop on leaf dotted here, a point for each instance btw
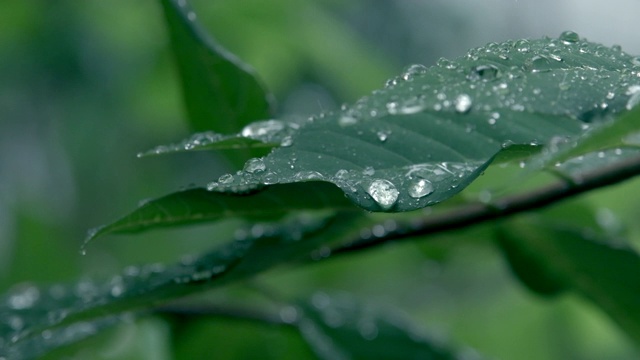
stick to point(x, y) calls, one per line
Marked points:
point(262, 128)
point(419, 188)
point(634, 91)
point(270, 178)
point(569, 37)
point(346, 120)
point(483, 72)
point(383, 192)
point(254, 165)
point(413, 70)
point(463, 103)
point(368, 171)
point(225, 179)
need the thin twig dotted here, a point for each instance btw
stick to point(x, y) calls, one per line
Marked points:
point(477, 213)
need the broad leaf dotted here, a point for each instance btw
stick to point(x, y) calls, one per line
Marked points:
point(340, 327)
point(221, 93)
point(551, 258)
point(45, 318)
point(432, 131)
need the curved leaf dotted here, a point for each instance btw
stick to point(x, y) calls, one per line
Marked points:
point(432, 131)
point(221, 93)
point(602, 270)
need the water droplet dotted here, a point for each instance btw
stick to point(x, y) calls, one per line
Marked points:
point(24, 298)
point(383, 135)
point(483, 72)
point(538, 63)
point(308, 175)
point(368, 171)
point(463, 103)
point(634, 91)
point(346, 120)
point(289, 314)
point(225, 179)
point(522, 46)
point(564, 86)
point(635, 61)
point(260, 129)
point(254, 165)
point(383, 192)
point(413, 70)
point(419, 188)
point(569, 37)
point(270, 178)
point(286, 141)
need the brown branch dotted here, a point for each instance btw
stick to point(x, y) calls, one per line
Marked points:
point(477, 213)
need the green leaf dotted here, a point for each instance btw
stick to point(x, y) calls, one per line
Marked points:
point(221, 93)
point(40, 318)
point(549, 258)
point(199, 205)
point(430, 132)
point(340, 327)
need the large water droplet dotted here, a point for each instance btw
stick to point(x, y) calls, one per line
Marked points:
point(419, 188)
point(413, 70)
point(254, 165)
point(383, 192)
point(538, 63)
point(270, 178)
point(262, 128)
point(569, 37)
point(463, 103)
point(483, 72)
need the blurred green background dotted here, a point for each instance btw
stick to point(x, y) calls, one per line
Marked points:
point(85, 85)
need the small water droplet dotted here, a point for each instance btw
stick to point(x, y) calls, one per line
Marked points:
point(368, 171)
point(270, 178)
point(522, 46)
point(383, 135)
point(254, 165)
point(419, 188)
point(346, 120)
point(225, 179)
point(483, 72)
point(308, 175)
point(569, 37)
point(635, 61)
point(286, 141)
point(463, 103)
point(383, 192)
point(538, 63)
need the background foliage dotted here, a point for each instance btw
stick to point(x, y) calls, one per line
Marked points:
point(87, 86)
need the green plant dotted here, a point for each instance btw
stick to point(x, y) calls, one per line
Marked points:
point(544, 120)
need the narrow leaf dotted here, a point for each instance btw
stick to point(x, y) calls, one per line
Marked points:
point(199, 205)
point(221, 93)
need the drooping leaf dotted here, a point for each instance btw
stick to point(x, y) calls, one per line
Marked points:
point(432, 131)
point(341, 327)
point(199, 205)
point(43, 318)
point(549, 258)
point(221, 93)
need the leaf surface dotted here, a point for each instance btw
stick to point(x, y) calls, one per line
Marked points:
point(550, 258)
point(221, 93)
point(432, 131)
point(340, 327)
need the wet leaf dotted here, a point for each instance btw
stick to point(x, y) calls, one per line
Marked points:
point(432, 131)
point(199, 205)
point(550, 258)
point(341, 327)
point(34, 320)
point(221, 93)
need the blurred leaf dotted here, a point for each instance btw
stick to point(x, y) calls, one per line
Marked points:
point(549, 258)
point(41, 317)
point(221, 93)
point(430, 132)
point(199, 205)
point(340, 327)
